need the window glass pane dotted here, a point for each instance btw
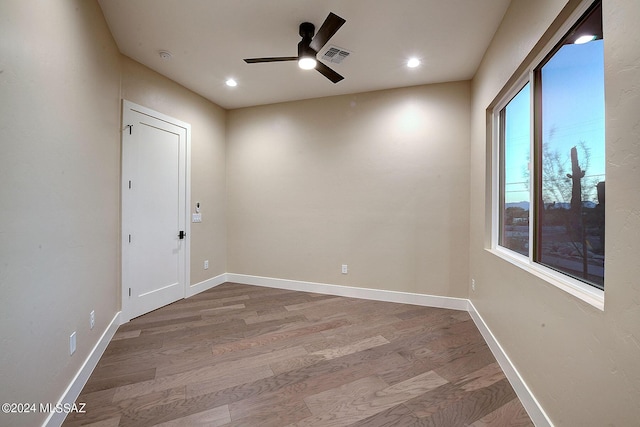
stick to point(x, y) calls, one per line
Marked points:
point(514, 201)
point(571, 164)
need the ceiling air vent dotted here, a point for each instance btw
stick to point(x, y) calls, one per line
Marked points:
point(335, 54)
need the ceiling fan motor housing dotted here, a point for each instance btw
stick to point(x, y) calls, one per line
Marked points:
point(307, 30)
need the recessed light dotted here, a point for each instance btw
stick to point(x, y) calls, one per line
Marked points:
point(585, 39)
point(413, 62)
point(231, 83)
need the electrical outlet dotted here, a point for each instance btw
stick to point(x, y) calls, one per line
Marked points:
point(473, 284)
point(206, 264)
point(92, 319)
point(72, 343)
point(345, 269)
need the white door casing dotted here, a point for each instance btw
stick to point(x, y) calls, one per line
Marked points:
point(155, 204)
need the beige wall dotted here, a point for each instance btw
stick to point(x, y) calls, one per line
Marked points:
point(378, 181)
point(61, 80)
point(59, 193)
point(581, 363)
point(208, 238)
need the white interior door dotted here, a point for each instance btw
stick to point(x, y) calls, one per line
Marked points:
point(154, 210)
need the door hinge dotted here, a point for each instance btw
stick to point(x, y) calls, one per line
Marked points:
point(129, 238)
point(182, 234)
point(129, 291)
point(129, 184)
point(130, 127)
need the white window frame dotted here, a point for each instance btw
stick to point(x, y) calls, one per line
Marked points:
point(583, 291)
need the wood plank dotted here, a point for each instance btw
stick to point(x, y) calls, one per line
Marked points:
point(275, 336)
point(215, 417)
point(364, 398)
point(111, 422)
point(313, 381)
point(288, 412)
point(121, 335)
point(397, 416)
point(511, 414)
point(333, 402)
point(282, 315)
point(313, 304)
point(227, 379)
point(110, 380)
point(483, 377)
point(195, 380)
point(98, 408)
point(473, 406)
point(332, 353)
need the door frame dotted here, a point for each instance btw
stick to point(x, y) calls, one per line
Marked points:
point(125, 308)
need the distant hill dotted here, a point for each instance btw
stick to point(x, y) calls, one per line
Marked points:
point(523, 205)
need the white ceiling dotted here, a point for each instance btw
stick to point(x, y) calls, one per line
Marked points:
point(208, 40)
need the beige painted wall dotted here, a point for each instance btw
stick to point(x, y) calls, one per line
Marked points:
point(59, 193)
point(61, 80)
point(152, 90)
point(378, 181)
point(581, 363)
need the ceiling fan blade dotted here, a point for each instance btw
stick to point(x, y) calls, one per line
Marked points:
point(329, 27)
point(274, 59)
point(328, 72)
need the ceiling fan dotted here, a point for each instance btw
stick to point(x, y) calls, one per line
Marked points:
point(309, 47)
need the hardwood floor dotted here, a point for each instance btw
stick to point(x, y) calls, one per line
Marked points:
point(240, 355)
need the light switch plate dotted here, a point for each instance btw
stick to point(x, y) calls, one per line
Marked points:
point(196, 217)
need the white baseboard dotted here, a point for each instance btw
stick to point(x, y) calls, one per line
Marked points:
point(353, 292)
point(75, 387)
point(206, 284)
point(530, 403)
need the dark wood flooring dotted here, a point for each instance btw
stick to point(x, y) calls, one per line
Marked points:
point(239, 355)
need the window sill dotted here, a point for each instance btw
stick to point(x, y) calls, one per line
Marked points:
point(578, 289)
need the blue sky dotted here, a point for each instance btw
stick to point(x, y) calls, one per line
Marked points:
point(573, 111)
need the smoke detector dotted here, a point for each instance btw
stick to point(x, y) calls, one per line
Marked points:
point(164, 54)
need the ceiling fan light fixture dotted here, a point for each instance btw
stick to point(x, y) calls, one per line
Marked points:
point(306, 55)
point(307, 63)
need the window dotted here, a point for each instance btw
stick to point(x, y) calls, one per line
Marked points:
point(551, 158)
point(515, 195)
